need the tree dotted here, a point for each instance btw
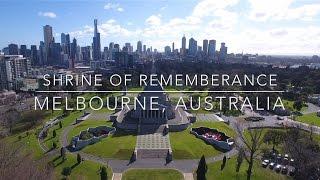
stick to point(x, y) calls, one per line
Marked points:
point(224, 160)
point(11, 117)
point(273, 136)
point(239, 159)
point(202, 169)
point(17, 163)
point(60, 124)
point(54, 145)
point(298, 105)
point(54, 133)
point(311, 130)
point(79, 159)
point(103, 173)
point(305, 152)
point(63, 153)
point(251, 144)
point(65, 112)
point(66, 171)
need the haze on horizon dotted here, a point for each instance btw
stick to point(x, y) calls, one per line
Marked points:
point(282, 27)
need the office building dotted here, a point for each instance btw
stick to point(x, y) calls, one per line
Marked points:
point(205, 46)
point(13, 68)
point(139, 47)
point(193, 47)
point(13, 49)
point(183, 47)
point(96, 45)
point(223, 52)
point(212, 49)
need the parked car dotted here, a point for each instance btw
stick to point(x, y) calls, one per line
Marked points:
point(279, 158)
point(284, 170)
point(278, 167)
point(271, 165)
point(292, 172)
point(265, 163)
point(291, 162)
point(280, 118)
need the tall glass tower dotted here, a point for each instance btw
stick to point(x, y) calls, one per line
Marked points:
point(96, 46)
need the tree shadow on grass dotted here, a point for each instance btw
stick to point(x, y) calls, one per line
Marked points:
point(120, 133)
point(74, 165)
point(61, 162)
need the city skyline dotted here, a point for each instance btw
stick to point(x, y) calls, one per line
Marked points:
point(245, 26)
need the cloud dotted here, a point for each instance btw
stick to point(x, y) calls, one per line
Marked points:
point(106, 29)
point(113, 6)
point(47, 14)
point(154, 20)
point(219, 20)
point(206, 20)
point(163, 8)
point(283, 10)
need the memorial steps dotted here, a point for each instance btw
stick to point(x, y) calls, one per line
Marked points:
point(152, 142)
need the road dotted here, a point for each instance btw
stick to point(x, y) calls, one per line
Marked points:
point(187, 166)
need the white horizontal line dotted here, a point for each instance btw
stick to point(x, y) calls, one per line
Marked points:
point(183, 91)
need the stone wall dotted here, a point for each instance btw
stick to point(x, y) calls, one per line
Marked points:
point(77, 143)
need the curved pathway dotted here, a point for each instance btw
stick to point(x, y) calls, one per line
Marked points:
point(186, 166)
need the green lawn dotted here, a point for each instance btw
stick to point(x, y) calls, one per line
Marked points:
point(289, 105)
point(65, 122)
point(309, 119)
point(229, 172)
point(118, 146)
point(85, 170)
point(30, 142)
point(187, 146)
point(154, 174)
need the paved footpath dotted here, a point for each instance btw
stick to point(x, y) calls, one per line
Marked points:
point(116, 176)
point(188, 176)
point(186, 166)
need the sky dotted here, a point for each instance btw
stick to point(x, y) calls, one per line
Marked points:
point(284, 27)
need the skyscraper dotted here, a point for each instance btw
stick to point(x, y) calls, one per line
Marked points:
point(205, 46)
point(128, 46)
point(144, 48)
point(139, 47)
point(48, 37)
point(96, 45)
point(193, 47)
point(13, 49)
point(63, 39)
point(34, 55)
point(212, 49)
point(223, 52)
point(172, 46)
point(183, 48)
point(48, 40)
point(73, 49)
point(167, 50)
point(23, 50)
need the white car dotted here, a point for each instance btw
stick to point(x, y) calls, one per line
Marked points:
point(265, 163)
point(271, 166)
point(278, 167)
